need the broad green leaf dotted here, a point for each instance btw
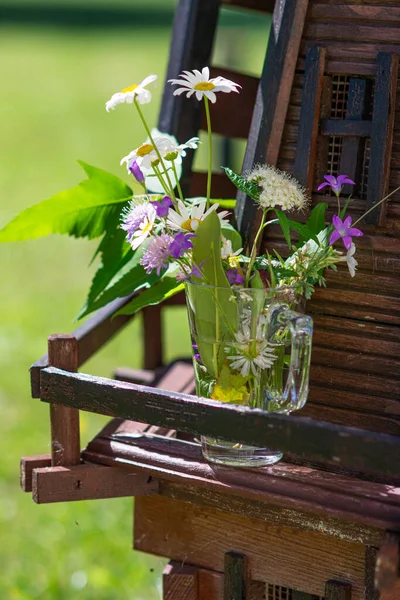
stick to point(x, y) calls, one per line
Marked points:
point(316, 220)
point(163, 289)
point(215, 313)
point(231, 387)
point(234, 236)
point(129, 276)
point(88, 210)
point(248, 187)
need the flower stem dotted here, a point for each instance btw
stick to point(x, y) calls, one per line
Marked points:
point(254, 249)
point(209, 173)
point(178, 185)
point(141, 115)
point(375, 205)
point(161, 180)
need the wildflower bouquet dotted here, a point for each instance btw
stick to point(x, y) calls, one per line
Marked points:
point(251, 346)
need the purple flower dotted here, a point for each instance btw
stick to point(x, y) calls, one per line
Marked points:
point(180, 243)
point(187, 273)
point(234, 277)
point(334, 183)
point(162, 207)
point(344, 230)
point(157, 255)
point(136, 172)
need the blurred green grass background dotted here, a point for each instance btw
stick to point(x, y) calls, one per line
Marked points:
point(55, 82)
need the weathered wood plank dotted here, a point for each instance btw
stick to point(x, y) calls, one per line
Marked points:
point(355, 32)
point(180, 582)
point(260, 5)
point(345, 127)
point(354, 12)
point(235, 571)
point(152, 337)
point(191, 46)
point(337, 590)
point(387, 568)
point(350, 160)
point(27, 465)
point(309, 117)
point(87, 482)
point(382, 135)
point(64, 420)
point(221, 186)
point(205, 534)
point(320, 441)
point(272, 100)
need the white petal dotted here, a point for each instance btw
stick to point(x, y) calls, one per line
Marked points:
point(199, 95)
point(147, 80)
point(205, 73)
point(211, 96)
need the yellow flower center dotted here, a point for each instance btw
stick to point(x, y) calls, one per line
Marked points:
point(147, 228)
point(144, 149)
point(130, 89)
point(204, 86)
point(191, 224)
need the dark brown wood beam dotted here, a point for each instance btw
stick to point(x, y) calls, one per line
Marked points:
point(345, 446)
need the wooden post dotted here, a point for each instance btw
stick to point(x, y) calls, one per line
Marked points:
point(180, 582)
point(65, 442)
point(387, 568)
point(337, 590)
point(235, 576)
point(152, 330)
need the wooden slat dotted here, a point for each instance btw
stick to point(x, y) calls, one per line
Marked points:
point(387, 569)
point(180, 582)
point(288, 486)
point(231, 115)
point(27, 465)
point(95, 332)
point(273, 550)
point(382, 134)
point(355, 32)
point(152, 337)
point(87, 482)
point(350, 160)
point(309, 117)
point(347, 127)
point(260, 5)
point(371, 593)
point(272, 100)
point(64, 420)
point(320, 441)
point(355, 12)
point(191, 47)
point(337, 590)
point(235, 570)
point(221, 186)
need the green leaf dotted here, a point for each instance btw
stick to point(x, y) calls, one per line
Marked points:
point(87, 210)
point(129, 276)
point(215, 314)
point(284, 223)
point(224, 203)
point(316, 220)
point(248, 187)
point(163, 289)
point(234, 236)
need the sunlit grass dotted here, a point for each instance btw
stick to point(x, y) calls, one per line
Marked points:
point(52, 112)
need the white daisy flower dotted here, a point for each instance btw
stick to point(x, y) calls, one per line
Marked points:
point(189, 218)
point(250, 357)
point(278, 188)
point(227, 250)
point(351, 261)
point(128, 94)
point(201, 84)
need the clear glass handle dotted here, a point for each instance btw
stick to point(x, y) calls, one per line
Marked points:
point(293, 394)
